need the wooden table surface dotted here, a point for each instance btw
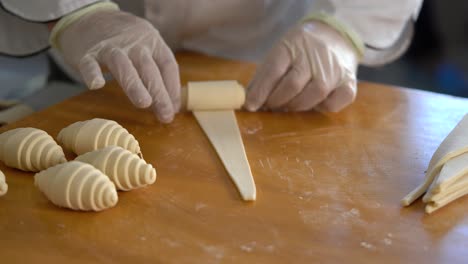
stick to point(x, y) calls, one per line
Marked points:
point(328, 186)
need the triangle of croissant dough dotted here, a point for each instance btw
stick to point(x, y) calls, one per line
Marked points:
point(456, 143)
point(223, 132)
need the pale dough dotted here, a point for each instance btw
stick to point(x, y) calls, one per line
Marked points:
point(78, 186)
point(85, 136)
point(29, 149)
point(214, 95)
point(222, 131)
point(452, 171)
point(450, 184)
point(456, 143)
point(434, 205)
point(125, 169)
point(458, 187)
point(212, 104)
point(3, 184)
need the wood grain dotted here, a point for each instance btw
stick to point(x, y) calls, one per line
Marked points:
point(328, 186)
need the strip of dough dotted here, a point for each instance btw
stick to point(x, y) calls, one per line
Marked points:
point(456, 143)
point(433, 206)
point(3, 184)
point(450, 184)
point(223, 132)
point(457, 187)
point(451, 173)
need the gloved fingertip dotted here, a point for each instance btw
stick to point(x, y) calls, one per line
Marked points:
point(144, 102)
point(251, 101)
point(140, 99)
point(251, 107)
point(97, 83)
point(165, 114)
point(166, 119)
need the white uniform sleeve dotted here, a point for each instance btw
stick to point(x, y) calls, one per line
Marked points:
point(385, 27)
point(22, 23)
point(43, 10)
point(240, 29)
point(246, 29)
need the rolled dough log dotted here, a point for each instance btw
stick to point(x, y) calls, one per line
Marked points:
point(78, 186)
point(456, 143)
point(212, 104)
point(3, 184)
point(84, 136)
point(214, 95)
point(30, 149)
point(125, 169)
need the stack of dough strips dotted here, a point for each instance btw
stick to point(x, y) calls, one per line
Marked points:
point(447, 174)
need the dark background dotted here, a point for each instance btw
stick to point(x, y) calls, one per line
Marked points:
point(437, 59)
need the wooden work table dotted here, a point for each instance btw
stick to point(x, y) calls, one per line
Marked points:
point(328, 186)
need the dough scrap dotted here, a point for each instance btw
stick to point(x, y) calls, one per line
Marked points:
point(456, 143)
point(125, 169)
point(97, 133)
point(30, 149)
point(212, 104)
point(3, 184)
point(78, 186)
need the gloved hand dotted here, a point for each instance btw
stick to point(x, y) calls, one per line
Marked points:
point(313, 66)
point(133, 51)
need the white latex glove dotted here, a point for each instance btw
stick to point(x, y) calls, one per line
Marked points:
point(313, 66)
point(133, 51)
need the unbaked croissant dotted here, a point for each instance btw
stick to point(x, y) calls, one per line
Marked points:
point(30, 149)
point(3, 184)
point(85, 136)
point(125, 169)
point(78, 186)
